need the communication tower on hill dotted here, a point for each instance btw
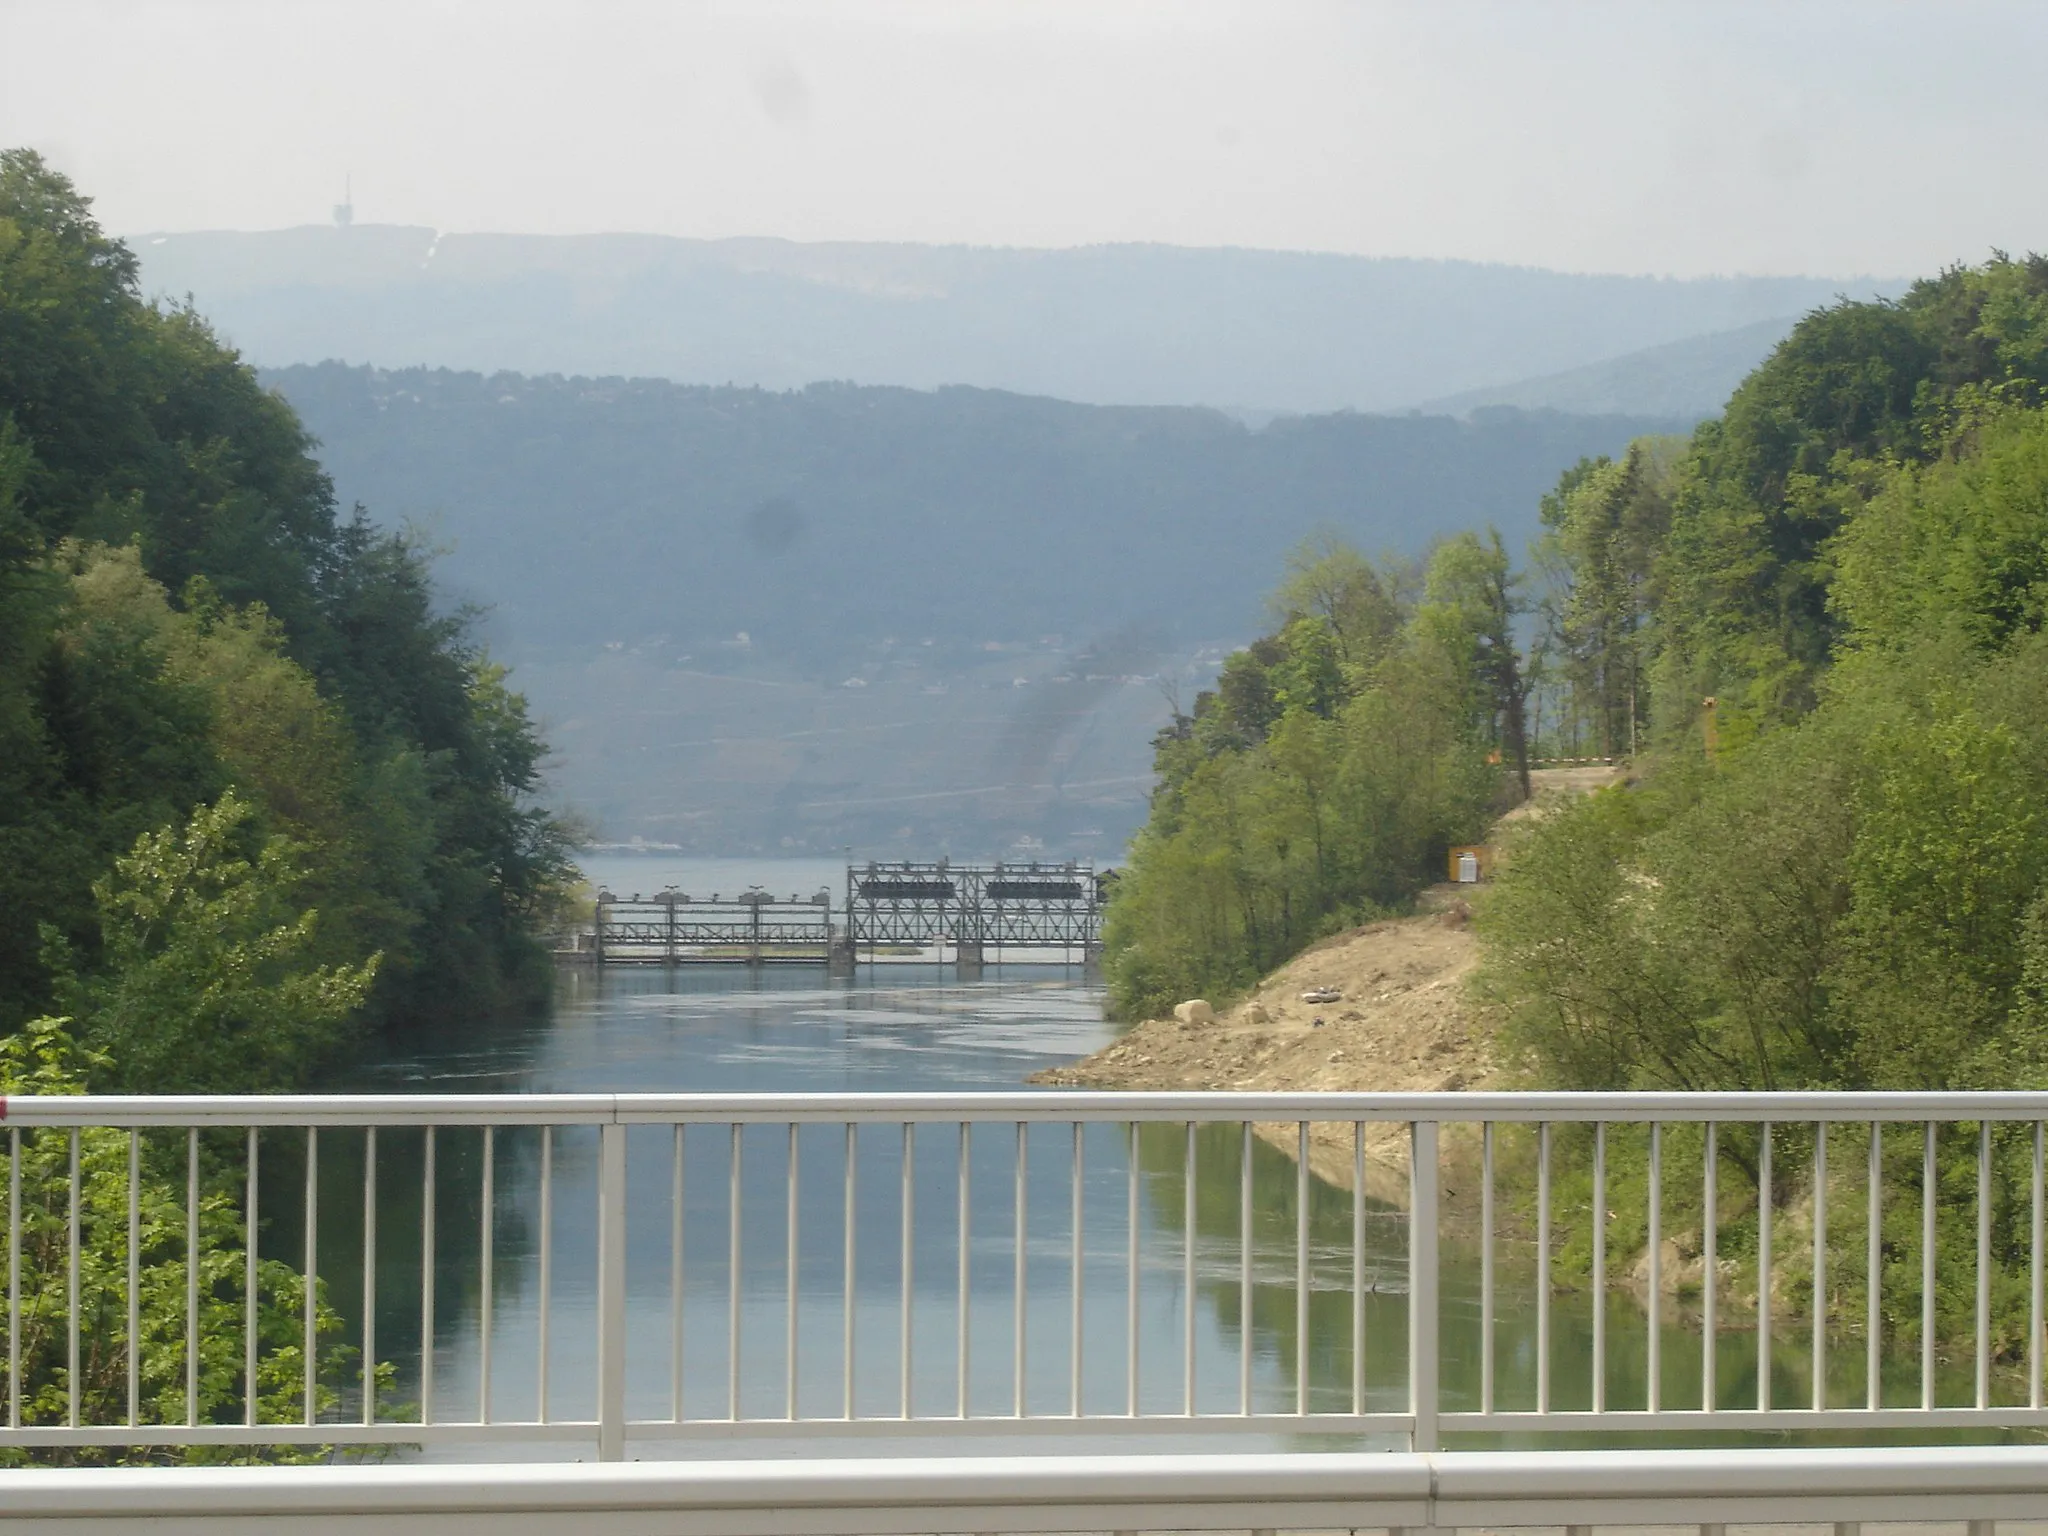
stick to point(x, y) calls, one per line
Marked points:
point(345, 210)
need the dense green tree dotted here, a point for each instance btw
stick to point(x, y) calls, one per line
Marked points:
point(1844, 895)
point(1469, 606)
point(204, 980)
point(1362, 605)
point(1603, 526)
point(1321, 781)
point(182, 614)
point(44, 1058)
point(1856, 388)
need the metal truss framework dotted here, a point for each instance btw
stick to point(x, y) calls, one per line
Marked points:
point(978, 908)
point(675, 928)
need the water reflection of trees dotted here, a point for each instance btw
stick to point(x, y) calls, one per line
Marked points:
point(1277, 1213)
point(400, 1205)
point(1274, 1319)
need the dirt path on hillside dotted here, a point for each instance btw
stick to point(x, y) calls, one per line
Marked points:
point(1400, 1024)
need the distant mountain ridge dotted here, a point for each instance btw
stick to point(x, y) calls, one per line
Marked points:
point(1263, 331)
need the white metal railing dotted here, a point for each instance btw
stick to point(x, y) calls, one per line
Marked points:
point(1085, 1185)
point(899, 1496)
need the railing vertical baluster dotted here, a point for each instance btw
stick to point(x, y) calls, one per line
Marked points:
point(909, 1259)
point(1543, 1267)
point(1763, 1272)
point(1486, 1267)
point(1873, 1261)
point(427, 1247)
point(2034, 1278)
point(72, 1394)
point(248, 1287)
point(963, 1264)
point(1301, 1320)
point(1983, 1264)
point(1820, 1264)
point(369, 1270)
point(1244, 1271)
point(733, 1277)
point(1654, 1358)
point(848, 1228)
point(611, 1292)
point(792, 1262)
point(675, 1275)
point(1358, 1266)
point(1600, 1266)
point(309, 1356)
point(1710, 1222)
point(1074, 1283)
point(1928, 1189)
point(546, 1285)
point(14, 1224)
point(191, 1274)
point(487, 1274)
point(1131, 1271)
point(1017, 1277)
point(1423, 1298)
point(134, 1361)
point(1187, 1275)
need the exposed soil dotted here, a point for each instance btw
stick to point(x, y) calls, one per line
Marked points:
point(1400, 1024)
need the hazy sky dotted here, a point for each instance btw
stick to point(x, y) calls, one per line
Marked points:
point(1829, 137)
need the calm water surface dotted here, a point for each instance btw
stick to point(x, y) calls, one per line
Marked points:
point(894, 1028)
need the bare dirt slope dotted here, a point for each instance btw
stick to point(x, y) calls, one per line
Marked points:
point(1401, 1023)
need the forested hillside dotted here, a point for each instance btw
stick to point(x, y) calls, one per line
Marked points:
point(908, 621)
point(256, 789)
point(1828, 612)
point(1817, 627)
point(1330, 767)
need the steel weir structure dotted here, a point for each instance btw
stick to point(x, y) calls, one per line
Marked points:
point(1506, 1152)
point(1026, 911)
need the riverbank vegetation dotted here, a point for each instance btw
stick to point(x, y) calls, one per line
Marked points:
point(1321, 781)
point(259, 790)
point(1829, 872)
point(260, 794)
point(1818, 629)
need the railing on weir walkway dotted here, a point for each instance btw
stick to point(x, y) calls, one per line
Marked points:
point(674, 928)
point(935, 1266)
point(1028, 911)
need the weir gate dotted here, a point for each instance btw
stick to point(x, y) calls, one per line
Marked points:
point(969, 914)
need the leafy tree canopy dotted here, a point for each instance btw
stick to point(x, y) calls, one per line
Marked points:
point(224, 704)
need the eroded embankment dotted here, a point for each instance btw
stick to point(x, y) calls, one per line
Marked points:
point(1402, 1023)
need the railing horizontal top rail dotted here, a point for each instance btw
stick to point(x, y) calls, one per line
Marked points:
point(884, 1496)
point(1059, 1107)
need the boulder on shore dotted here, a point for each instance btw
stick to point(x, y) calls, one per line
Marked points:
point(1194, 1011)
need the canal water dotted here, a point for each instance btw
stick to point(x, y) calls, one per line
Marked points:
point(894, 1028)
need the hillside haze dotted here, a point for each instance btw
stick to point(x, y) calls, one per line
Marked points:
point(901, 620)
point(1258, 331)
